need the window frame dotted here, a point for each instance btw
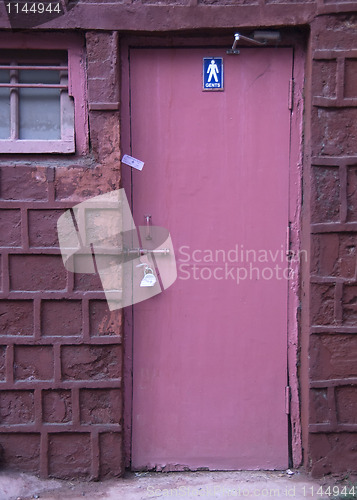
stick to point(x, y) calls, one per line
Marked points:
point(75, 139)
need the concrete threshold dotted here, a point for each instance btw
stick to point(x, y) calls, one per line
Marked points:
point(180, 485)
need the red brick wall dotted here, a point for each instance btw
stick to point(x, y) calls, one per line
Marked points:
point(61, 348)
point(333, 343)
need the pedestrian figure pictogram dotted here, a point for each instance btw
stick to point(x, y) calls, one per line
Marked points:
point(212, 73)
point(212, 70)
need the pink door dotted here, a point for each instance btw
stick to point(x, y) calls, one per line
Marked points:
point(209, 354)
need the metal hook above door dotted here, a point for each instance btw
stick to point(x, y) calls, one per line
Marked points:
point(260, 38)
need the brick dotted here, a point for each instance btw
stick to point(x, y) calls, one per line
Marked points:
point(100, 406)
point(100, 46)
point(70, 314)
point(21, 451)
point(17, 407)
point(104, 139)
point(69, 455)
point(10, 228)
point(319, 408)
point(334, 131)
point(111, 453)
point(33, 363)
point(185, 2)
point(346, 401)
point(57, 406)
point(347, 262)
point(350, 89)
point(16, 317)
point(322, 304)
point(352, 194)
point(102, 321)
point(334, 32)
point(283, 1)
point(79, 184)
point(349, 304)
point(88, 282)
point(23, 183)
point(324, 78)
point(91, 362)
point(103, 226)
point(333, 453)
point(325, 194)
point(37, 272)
point(98, 68)
point(2, 362)
point(222, 2)
point(43, 227)
point(334, 255)
point(324, 253)
point(333, 356)
point(103, 89)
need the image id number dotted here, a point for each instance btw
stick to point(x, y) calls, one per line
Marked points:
point(33, 8)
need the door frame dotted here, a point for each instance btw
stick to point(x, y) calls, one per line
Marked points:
point(297, 41)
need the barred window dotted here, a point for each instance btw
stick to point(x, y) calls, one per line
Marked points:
point(37, 109)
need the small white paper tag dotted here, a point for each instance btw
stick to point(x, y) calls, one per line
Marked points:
point(132, 162)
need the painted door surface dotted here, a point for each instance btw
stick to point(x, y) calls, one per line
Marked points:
point(210, 352)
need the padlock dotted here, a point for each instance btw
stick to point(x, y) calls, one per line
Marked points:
point(149, 278)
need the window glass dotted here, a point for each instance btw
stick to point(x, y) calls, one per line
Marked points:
point(4, 105)
point(39, 108)
point(37, 114)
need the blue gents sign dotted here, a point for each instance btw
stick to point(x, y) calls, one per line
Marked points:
point(212, 73)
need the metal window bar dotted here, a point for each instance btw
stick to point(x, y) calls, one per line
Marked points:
point(52, 68)
point(33, 85)
point(14, 107)
point(14, 84)
point(14, 96)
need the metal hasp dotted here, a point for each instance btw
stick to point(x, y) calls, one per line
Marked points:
point(144, 251)
point(148, 224)
point(259, 38)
